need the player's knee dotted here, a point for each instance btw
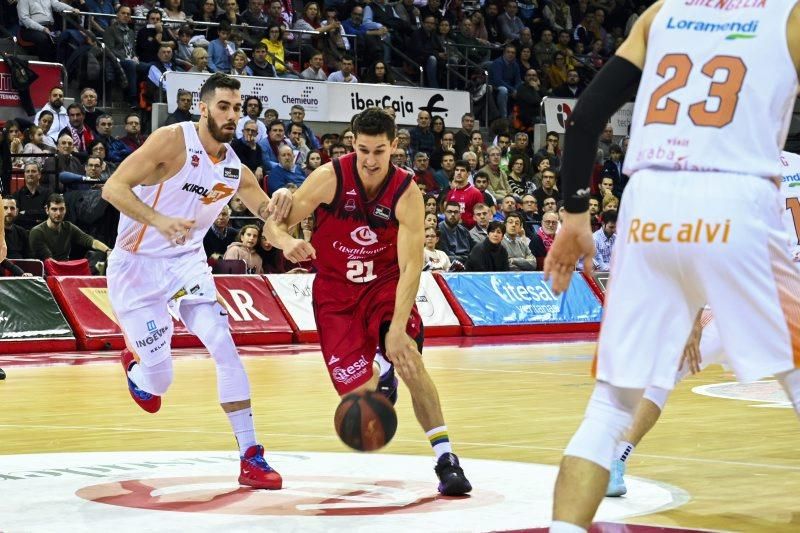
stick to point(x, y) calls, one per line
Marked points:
point(657, 395)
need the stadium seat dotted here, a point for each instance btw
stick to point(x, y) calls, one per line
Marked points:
point(230, 266)
point(78, 267)
point(31, 266)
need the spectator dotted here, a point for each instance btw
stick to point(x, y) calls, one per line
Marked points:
point(345, 72)
point(525, 60)
point(221, 49)
point(248, 150)
point(604, 240)
point(54, 238)
point(557, 72)
point(456, 242)
point(542, 240)
point(426, 48)
point(64, 161)
point(297, 115)
point(558, 15)
point(545, 49)
point(282, 14)
point(548, 188)
point(92, 176)
point(404, 139)
point(521, 149)
point(14, 143)
point(81, 135)
point(517, 244)
point(463, 194)
point(259, 64)
point(400, 159)
point(498, 181)
point(462, 136)
point(510, 24)
point(182, 112)
point(219, 235)
point(199, 60)
point(594, 214)
point(529, 98)
point(551, 150)
point(143, 8)
point(286, 172)
point(531, 219)
point(434, 259)
point(89, 107)
point(423, 176)
point(379, 73)
point(313, 162)
point(525, 40)
point(604, 145)
point(244, 248)
point(472, 159)
point(116, 150)
point(269, 116)
point(475, 50)
point(369, 36)
point(185, 47)
point(476, 146)
point(503, 141)
point(508, 205)
point(162, 64)
point(254, 16)
point(610, 203)
point(613, 169)
point(517, 180)
point(491, 24)
point(16, 236)
point(276, 52)
point(328, 140)
point(311, 22)
point(572, 88)
point(120, 41)
point(230, 13)
point(333, 44)
point(481, 180)
point(150, 38)
point(489, 255)
point(55, 105)
point(482, 217)
point(445, 174)
point(314, 70)
point(276, 136)
point(541, 167)
point(240, 215)
point(606, 186)
point(338, 150)
point(422, 138)
point(98, 149)
point(347, 138)
point(36, 145)
point(437, 128)
point(431, 220)
point(407, 11)
point(30, 198)
point(549, 204)
point(45, 122)
point(204, 34)
point(297, 141)
point(504, 77)
point(445, 145)
point(37, 24)
point(133, 137)
point(239, 65)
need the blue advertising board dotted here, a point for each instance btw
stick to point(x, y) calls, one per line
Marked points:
point(506, 298)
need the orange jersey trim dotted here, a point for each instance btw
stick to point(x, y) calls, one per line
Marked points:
point(140, 237)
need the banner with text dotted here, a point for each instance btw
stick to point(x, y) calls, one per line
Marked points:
point(253, 313)
point(558, 110)
point(49, 77)
point(28, 313)
point(506, 298)
point(295, 293)
point(331, 102)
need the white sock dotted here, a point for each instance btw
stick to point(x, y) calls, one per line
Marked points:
point(440, 441)
point(243, 428)
point(136, 375)
point(565, 527)
point(624, 450)
point(383, 363)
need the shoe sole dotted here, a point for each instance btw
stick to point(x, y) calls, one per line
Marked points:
point(268, 485)
point(459, 489)
point(616, 493)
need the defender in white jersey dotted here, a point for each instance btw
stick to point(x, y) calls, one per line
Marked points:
point(700, 214)
point(169, 192)
point(704, 346)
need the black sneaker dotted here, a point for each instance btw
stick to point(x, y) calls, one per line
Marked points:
point(452, 481)
point(388, 386)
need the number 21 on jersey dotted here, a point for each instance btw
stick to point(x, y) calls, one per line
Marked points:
point(360, 271)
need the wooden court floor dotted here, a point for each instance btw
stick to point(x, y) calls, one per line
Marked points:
point(738, 461)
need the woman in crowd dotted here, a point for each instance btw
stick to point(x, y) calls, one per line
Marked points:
point(312, 21)
point(207, 13)
point(96, 148)
point(239, 66)
point(517, 180)
point(431, 205)
point(199, 60)
point(434, 259)
point(489, 255)
point(276, 52)
point(16, 142)
point(437, 127)
point(379, 73)
point(476, 146)
point(557, 72)
point(525, 59)
point(245, 248)
point(431, 220)
point(46, 122)
point(313, 160)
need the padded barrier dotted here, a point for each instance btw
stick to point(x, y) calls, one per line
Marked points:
point(30, 320)
point(255, 315)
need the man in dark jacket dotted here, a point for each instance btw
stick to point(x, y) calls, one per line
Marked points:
point(426, 48)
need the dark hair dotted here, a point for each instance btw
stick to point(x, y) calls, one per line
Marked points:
point(280, 29)
point(257, 99)
point(244, 229)
point(183, 92)
point(451, 203)
point(608, 216)
point(55, 198)
point(259, 45)
point(338, 145)
point(276, 122)
point(158, 12)
point(430, 197)
point(495, 225)
point(99, 118)
point(224, 25)
point(218, 80)
point(46, 112)
point(465, 115)
point(373, 121)
point(481, 174)
point(615, 148)
point(94, 143)
point(76, 106)
point(133, 114)
point(514, 214)
point(463, 164)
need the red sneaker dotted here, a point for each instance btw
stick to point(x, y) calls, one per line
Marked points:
point(256, 472)
point(149, 402)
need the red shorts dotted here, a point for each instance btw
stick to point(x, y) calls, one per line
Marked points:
point(349, 320)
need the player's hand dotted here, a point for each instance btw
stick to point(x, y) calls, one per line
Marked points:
point(402, 351)
point(692, 358)
point(173, 228)
point(299, 251)
point(280, 204)
point(573, 242)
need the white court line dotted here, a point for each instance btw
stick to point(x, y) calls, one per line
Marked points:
point(460, 443)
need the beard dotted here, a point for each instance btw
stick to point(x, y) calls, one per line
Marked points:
point(217, 133)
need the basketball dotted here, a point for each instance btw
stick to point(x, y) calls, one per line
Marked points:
point(365, 421)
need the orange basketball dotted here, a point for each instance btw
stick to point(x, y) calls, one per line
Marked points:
point(365, 421)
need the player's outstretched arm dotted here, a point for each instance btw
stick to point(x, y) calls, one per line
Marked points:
point(258, 202)
point(149, 165)
point(318, 188)
point(400, 348)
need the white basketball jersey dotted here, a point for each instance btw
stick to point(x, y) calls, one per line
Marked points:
point(717, 88)
point(790, 189)
point(197, 192)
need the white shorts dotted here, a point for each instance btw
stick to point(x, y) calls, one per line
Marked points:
point(147, 292)
point(687, 239)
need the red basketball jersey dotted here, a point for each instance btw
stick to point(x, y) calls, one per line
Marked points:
point(356, 238)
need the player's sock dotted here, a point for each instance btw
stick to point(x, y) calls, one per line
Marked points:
point(243, 428)
point(439, 441)
point(383, 363)
point(565, 527)
point(624, 450)
point(136, 375)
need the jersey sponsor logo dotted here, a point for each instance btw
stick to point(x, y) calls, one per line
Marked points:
point(333, 360)
point(155, 334)
point(230, 173)
point(687, 232)
point(195, 160)
point(351, 192)
point(738, 30)
point(381, 211)
point(727, 5)
point(218, 192)
point(350, 373)
point(350, 205)
point(364, 236)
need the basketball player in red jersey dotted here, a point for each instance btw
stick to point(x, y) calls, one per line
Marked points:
point(367, 250)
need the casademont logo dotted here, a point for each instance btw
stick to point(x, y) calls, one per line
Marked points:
point(364, 236)
point(218, 192)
